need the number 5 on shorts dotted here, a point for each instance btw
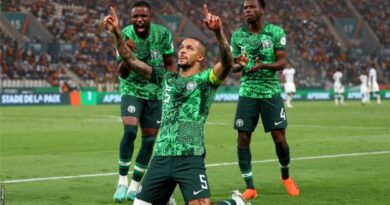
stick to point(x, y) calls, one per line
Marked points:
point(203, 182)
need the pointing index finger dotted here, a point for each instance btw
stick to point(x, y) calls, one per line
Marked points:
point(205, 10)
point(113, 13)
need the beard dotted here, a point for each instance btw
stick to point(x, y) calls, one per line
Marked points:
point(184, 67)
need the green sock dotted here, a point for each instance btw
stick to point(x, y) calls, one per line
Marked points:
point(244, 162)
point(283, 153)
point(139, 171)
point(126, 149)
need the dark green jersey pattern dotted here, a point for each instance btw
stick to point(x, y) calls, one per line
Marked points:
point(150, 51)
point(186, 104)
point(264, 83)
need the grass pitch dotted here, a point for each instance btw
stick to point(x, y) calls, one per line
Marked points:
point(341, 155)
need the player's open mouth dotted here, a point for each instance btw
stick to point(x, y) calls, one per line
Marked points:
point(141, 29)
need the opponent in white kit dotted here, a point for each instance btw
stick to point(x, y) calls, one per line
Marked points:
point(373, 84)
point(289, 86)
point(338, 88)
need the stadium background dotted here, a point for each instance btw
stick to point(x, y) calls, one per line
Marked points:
point(58, 52)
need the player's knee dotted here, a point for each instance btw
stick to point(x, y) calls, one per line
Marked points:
point(148, 141)
point(243, 141)
point(279, 138)
point(140, 202)
point(130, 133)
point(280, 141)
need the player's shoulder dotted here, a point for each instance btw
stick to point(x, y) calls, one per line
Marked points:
point(273, 28)
point(240, 30)
point(159, 27)
point(128, 31)
point(128, 28)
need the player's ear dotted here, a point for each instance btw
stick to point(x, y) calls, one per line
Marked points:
point(201, 58)
point(151, 13)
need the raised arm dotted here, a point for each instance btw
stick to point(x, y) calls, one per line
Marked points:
point(128, 59)
point(213, 22)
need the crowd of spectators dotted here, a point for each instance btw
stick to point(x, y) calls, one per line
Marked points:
point(377, 14)
point(27, 67)
point(312, 48)
point(335, 9)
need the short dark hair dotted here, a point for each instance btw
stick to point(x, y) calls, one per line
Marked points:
point(202, 43)
point(262, 3)
point(141, 3)
point(199, 40)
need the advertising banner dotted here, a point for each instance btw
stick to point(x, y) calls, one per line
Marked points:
point(35, 99)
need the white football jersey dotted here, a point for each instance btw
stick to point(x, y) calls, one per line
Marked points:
point(363, 84)
point(337, 77)
point(372, 76)
point(363, 80)
point(289, 74)
point(372, 81)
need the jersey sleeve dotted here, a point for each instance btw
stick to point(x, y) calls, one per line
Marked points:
point(280, 39)
point(168, 43)
point(158, 75)
point(234, 46)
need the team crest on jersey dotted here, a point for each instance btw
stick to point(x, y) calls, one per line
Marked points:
point(267, 44)
point(239, 122)
point(155, 54)
point(131, 109)
point(191, 86)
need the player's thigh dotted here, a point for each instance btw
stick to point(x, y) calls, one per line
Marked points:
point(289, 88)
point(247, 114)
point(375, 87)
point(151, 114)
point(273, 114)
point(157, 185)
point(131, 106)
point(190, 173)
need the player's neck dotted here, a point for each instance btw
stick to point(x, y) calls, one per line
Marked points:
point(190, 71)
point(256, 27)
point(143, 35)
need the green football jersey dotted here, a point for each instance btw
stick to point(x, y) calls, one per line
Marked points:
point(186, 104)
point(150, 51)
point(263, 45)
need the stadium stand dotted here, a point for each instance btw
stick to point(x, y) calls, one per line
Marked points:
point(377, 14)
point(83, 46)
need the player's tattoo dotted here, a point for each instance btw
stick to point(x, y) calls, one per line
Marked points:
point(226, 54)
point(128, 58)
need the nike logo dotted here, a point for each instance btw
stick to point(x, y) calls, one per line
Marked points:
point(197, 192)
point(278, 123)
point(158, 121)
